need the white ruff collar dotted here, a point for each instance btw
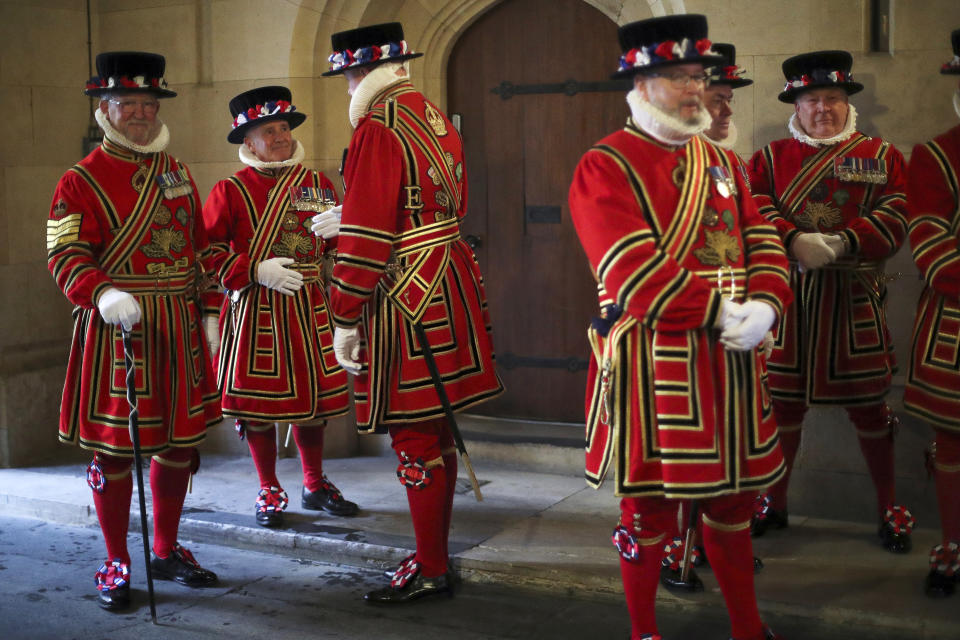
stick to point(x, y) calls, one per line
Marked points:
point(956, 101)
point(730, 141)
point(801, 136)
point(247, 158)
point(663, 126)
point(379, 78)
point(157, 145)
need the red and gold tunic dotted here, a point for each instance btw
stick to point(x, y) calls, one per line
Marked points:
point(933, 193)
point(112, 224)
point(668, 232)
point(401, 261)
point(276, 356)
point(833, 347)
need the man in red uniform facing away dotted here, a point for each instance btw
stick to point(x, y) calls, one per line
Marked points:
point(401, 263)
point(837, 198)
point(277, 362)
point(126, 245)
point(933, 384)
point(690, 279)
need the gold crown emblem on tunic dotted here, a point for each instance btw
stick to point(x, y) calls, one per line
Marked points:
point(435, 120)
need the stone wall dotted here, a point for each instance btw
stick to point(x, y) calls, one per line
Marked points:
point(218, 48)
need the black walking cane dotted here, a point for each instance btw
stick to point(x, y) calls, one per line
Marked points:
point(688, 543)
point(445, 401)
point(138, 463)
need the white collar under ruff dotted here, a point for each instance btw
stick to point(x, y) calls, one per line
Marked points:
point(729, 142)
point(157, 145)
point(379, 78)
point(801, 136)
point(247, 158)
point(663, 126)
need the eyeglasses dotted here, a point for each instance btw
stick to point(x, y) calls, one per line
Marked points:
point(680, 80)
point(129, 107)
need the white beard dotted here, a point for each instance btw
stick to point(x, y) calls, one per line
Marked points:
point(379, 78)
point(156, 145)
point(247, 158)
point(801, 136)
point(661, 125)
point(956, 101)
point(730, 141)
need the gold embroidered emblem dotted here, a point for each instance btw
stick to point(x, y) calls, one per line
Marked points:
point(710, 216)
point(443, 201)
point(819, 216)
point(435, 120)
point(160, 268)
point(162, 216)
point(290, 221)
point(414, 201)
point(63, 231)
point(60, 208)
point(679, 172)
point(183, 217)
point(721, 249)
point(291, 244)
point(434, 178)
point(449, 158)
point(459, 172)
point(139, 178)
point(163, 242)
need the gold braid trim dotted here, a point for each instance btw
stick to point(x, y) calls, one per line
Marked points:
point(258, 426)
point(720, 526)
point(448, 451)
point(118, 475)
point(436, 462)
point(946, 468)
point(646, 542)
point(789, 428)
point(176, 464)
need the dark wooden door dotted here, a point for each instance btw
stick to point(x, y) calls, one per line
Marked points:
point(530, 80)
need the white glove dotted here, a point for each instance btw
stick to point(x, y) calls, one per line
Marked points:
point(119, 307)
point(812, 251)
point(346, 346)
point(836, 243)
point(748, 333)
point(274, 275)
point(730, 313)
point(327, 223)
point(211, 327)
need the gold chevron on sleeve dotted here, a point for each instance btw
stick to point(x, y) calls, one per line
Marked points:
point(63, 231)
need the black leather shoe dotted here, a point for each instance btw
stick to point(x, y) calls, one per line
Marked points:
point(180, 566)
point(269, 518)
point(417, 588)
point(894, 542)
point(939, 585)
point(116, 599)
point(757, 564)
point(672, 579)
point(773, 520)
point(268, 510)
point(328, 498)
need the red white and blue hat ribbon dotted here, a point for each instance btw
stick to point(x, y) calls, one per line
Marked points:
point(666, 51)
point(953, 64)
point(733, 72)
point(364, 55)
point(819, 77)
point(262, 110)
point(126, 82)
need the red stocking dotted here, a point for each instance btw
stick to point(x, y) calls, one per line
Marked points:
point(948, 484)
point(647, 520)
point(113, 505)
point(876, 443)
point(309, 441)
point(726, 537)
point(262, 440)
point(169, 475)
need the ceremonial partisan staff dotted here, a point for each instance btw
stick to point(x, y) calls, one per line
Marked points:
point(435, 375)
point(688, 543)
point(138, 463)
